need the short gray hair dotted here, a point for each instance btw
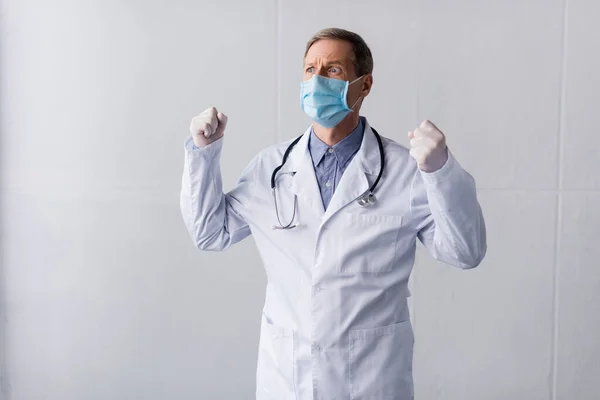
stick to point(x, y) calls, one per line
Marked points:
point(362, 57)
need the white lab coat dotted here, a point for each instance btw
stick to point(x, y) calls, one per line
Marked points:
point(335, 323)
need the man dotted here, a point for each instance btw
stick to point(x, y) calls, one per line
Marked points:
point(337, 235)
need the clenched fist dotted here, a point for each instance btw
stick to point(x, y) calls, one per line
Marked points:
point(428, 147)
point(207, 127)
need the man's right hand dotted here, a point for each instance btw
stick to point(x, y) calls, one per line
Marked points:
point(207, 127)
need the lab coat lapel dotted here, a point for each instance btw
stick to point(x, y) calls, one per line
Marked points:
point(353, 183)
point(359, 175)
point(304, 183)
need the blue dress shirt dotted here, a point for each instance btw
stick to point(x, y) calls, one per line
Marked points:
point(331, 162)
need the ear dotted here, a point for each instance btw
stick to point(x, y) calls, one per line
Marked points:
point(367, 84)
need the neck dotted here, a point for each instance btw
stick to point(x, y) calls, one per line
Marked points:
point(331, 136)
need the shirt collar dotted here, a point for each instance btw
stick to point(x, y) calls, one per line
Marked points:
point(343, 150)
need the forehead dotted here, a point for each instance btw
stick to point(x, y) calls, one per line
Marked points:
point(329, 49)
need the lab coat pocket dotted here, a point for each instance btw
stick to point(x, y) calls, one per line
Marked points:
point(380, 362)
point(367, 242)
point(275, 374)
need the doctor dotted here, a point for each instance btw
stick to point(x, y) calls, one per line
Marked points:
point(335, 215)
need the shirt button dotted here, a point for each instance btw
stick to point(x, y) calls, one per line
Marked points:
point(330, 150)
point(328, 184)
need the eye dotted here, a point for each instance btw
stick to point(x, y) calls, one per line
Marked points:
point(310, 70)
point(335, 70)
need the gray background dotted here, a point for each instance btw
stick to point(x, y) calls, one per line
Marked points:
point(103, 295)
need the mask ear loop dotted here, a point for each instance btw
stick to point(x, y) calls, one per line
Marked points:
point(360, 98)
point(357, 100)
point(355, 80)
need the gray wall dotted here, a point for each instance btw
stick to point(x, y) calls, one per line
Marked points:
point(103, 295)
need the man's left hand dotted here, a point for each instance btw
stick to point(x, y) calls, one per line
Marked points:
point(428, 147)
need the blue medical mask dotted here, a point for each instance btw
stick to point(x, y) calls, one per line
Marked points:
point(324, 99)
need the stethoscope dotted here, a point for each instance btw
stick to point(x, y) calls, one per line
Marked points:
point(365, 200)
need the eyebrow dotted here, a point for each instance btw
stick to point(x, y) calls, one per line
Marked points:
point(327, 64)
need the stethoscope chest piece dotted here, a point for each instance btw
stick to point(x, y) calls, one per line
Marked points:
point(367, 200)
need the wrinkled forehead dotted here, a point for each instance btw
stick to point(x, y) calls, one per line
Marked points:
point(329, 50)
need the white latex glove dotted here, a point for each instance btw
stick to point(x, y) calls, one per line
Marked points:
point(207, 127)
point(428, 147)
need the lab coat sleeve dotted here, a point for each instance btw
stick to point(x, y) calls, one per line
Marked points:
point(453, 230)
point(214, 220)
